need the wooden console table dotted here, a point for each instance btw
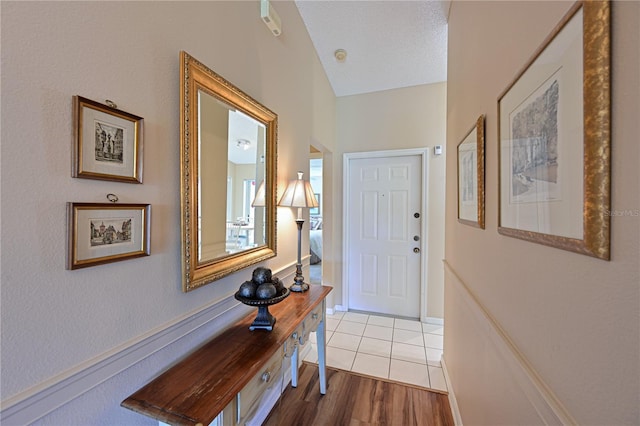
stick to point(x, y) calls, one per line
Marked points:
point(199, 387)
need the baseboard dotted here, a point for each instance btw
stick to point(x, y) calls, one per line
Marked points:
point(428, 320)
point(435, 321)
point(36, 402)
point(453, 403)
point(304, 350)
point(539, 394)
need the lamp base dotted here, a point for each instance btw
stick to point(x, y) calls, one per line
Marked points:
point(299, 287)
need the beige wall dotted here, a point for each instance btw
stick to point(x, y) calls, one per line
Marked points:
point(569, 321)
point(213, 141)
point(56, 321)
point(411, 117)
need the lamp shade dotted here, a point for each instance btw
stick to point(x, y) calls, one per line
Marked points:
point(259, 200)
point(299, 193)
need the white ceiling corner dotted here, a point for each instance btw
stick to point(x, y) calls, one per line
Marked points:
point(390, 44)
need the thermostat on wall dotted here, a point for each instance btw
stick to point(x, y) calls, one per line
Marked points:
point(437, 150)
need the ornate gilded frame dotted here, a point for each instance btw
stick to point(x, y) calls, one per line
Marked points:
point(87, 246)
point(196, 76)
point(473, 146)
point(87, 156)
point(596, 137)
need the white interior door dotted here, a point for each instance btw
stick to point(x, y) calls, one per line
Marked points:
point(384, 215)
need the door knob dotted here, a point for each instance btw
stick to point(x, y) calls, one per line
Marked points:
point(416, 250)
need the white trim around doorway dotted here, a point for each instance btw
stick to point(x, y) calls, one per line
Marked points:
point(424, 246)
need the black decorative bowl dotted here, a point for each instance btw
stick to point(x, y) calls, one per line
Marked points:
point(264, 320)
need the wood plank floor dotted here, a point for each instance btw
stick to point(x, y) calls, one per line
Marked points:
point(355, 400)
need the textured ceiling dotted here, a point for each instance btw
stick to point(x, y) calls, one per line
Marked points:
point(390, 44)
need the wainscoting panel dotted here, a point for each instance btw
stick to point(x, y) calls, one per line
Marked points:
point(171, 341)
point(483, 362)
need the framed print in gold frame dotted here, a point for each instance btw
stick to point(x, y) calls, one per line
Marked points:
point(554, 138)
point(471, 176)
point(107, 143)
point(100, 233)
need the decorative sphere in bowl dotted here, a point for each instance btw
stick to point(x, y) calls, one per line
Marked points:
point(279, 285)
point(248, 289)
point(261, 275)
point(266, 291)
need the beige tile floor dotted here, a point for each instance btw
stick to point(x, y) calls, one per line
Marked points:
point(391, 348)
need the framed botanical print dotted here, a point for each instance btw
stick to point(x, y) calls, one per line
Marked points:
point(471, 176)
point(554, 138)
point(107, 142)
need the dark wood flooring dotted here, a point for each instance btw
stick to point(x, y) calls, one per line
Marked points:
point(355, 400)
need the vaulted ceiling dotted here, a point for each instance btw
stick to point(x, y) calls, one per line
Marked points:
point(389, 44)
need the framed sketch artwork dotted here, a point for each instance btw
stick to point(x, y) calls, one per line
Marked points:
point(471, 176)
point(101, 233)
point(107, 142)
point(554, 138)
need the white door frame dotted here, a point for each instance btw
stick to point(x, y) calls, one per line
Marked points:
point(424, 246)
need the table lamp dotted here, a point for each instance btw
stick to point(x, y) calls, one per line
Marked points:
point(299, 194)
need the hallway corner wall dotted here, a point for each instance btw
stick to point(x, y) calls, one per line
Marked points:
point(571, 322)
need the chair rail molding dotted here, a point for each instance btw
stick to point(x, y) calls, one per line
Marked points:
point(539, 394)
point(36, 402)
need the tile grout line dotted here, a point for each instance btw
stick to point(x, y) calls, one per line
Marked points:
point(393, 331)
point(357, 351)
point(424, 340)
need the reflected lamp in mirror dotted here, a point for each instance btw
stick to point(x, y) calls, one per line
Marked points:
point(299, 193)
point(259, 200)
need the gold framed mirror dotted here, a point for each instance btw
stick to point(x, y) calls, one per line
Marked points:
point(228, 143)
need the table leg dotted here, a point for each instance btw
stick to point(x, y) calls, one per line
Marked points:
point(294, 367)
point(322, 354)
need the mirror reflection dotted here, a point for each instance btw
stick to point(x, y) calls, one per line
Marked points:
point(228, 176)
point(232, 150)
